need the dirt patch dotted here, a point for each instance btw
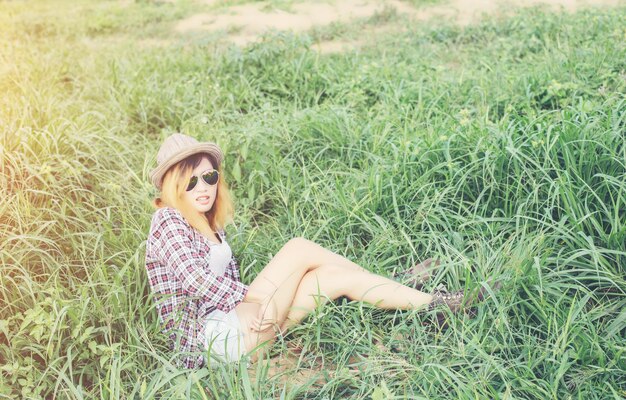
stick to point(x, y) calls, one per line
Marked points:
point(290, 370)
point(243, 24)
point(296, 368)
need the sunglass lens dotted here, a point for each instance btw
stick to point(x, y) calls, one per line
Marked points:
point(192, 183)
point(211, 177)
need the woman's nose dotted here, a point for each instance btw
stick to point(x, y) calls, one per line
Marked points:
point(203, 186)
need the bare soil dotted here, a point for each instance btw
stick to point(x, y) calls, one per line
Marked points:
point(246, 23)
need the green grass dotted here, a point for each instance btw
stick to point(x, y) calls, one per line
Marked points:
point(499, 148)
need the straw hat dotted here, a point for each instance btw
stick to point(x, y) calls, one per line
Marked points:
point(176, 148)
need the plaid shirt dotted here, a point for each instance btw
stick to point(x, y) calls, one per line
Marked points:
point(184, 288)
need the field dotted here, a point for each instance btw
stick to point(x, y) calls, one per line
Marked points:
point(497, 145)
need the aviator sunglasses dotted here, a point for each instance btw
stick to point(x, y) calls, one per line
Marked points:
point(210, 176)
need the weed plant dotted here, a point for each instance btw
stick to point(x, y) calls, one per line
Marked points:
point(498, 148)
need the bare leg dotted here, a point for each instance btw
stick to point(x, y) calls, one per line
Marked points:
point(302, 251)
point(282, 277)
point(295, 258)
point(283, 273)
point(330, 282)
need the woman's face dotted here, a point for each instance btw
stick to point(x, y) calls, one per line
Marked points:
point(203, 195)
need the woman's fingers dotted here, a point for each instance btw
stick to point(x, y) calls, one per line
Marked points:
point(265, 319)
point(259, 325)
point(256, 325)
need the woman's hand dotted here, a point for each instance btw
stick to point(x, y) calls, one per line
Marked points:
point(267, 316)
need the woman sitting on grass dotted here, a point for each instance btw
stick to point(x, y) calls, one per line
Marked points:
point(195, 279)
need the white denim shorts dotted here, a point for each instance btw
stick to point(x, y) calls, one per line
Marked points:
point(224, 336)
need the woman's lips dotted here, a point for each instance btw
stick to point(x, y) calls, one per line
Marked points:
point(203, 200)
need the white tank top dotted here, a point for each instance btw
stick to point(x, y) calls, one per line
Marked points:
point(219, 257)
point(218, 324)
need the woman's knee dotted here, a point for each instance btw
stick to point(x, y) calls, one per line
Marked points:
point(305, 251)
point(297, 243)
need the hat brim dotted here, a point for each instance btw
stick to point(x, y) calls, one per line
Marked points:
point(156, 175)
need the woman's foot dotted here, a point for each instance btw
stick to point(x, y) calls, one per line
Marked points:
point(459, 301)
point(419, 273)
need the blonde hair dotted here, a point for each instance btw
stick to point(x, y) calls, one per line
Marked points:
point(174, 186)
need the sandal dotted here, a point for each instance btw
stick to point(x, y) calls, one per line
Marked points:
point(459, 301)
point(453, 301)
point(419, 274)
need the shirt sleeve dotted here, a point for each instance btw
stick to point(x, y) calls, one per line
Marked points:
point(234, 269)
point(174, 247)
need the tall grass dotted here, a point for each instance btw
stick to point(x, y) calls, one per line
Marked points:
point(499, 149)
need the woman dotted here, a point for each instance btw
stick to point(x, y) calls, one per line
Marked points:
point(195, 277)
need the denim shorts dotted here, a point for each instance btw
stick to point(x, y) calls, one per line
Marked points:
point(224, 337)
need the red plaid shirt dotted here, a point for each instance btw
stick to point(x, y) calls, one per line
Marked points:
point(185, 289)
